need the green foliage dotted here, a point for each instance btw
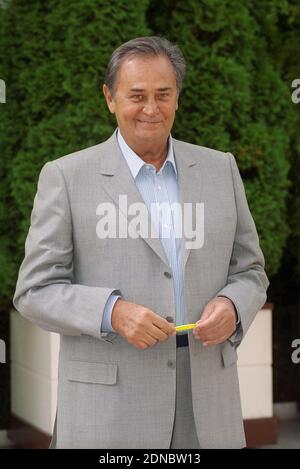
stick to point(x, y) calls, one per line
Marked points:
point(236, 97)
point(286, 56)
point(58, 53)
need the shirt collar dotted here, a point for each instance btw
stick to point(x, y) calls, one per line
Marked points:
point(135, 163)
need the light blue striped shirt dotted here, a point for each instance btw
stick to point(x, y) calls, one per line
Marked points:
point(157, 188)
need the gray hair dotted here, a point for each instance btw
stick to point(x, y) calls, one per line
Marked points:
point(145, 46)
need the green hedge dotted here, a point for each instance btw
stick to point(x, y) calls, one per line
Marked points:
point(58, 52)
point(285, 48)
point(234, 98)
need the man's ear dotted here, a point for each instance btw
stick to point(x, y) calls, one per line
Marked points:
point(109, 99)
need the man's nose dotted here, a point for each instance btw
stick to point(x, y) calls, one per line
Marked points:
point(151, 108)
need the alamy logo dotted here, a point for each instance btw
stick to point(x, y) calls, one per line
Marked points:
point(296, 353)
point(169, 220)
point(2, 92)
point(296, 93)
point(2, 351)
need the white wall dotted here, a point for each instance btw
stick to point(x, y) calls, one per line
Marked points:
point(255, 368)
point(34, 360)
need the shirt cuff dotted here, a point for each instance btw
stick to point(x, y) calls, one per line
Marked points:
point(107, 312)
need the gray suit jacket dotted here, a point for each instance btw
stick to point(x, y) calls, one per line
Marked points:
point(110, 394)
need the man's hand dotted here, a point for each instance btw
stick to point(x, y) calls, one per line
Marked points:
point(139, 325)
point(217, 323)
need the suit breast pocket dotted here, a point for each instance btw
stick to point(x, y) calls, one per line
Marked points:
point(94, 373)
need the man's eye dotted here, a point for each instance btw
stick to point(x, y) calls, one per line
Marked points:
point(164, 95)
point(137, 97)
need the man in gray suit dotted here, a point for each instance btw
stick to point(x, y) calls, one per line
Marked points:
point(114, 289)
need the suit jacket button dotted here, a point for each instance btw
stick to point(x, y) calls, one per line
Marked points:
point(168, 274)
point(169, 319)
point(171, 364)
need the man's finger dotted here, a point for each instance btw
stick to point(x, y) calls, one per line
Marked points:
point(210, 322)
point(150, 340)
point(211, 334)
point(158, 333)
point(164, 325)
point(208, 310)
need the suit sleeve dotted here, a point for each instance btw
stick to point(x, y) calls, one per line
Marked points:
point(247, 281)
point(45, 293)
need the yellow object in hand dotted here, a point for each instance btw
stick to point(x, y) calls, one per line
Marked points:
point(185, 327)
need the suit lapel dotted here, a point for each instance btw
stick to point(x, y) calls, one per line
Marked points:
point(190, 185)
point(116, 180)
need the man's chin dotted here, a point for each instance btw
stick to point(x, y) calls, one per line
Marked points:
point(151, 136)
point(150, 132)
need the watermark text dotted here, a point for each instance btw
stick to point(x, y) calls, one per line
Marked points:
point(2, 351)
point(296, 353)
point(169, 220)
point(2, 92)
point(296, 93)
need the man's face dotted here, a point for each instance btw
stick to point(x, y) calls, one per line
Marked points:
point(145, 99)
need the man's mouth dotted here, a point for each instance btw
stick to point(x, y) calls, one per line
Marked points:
point(149, 122)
